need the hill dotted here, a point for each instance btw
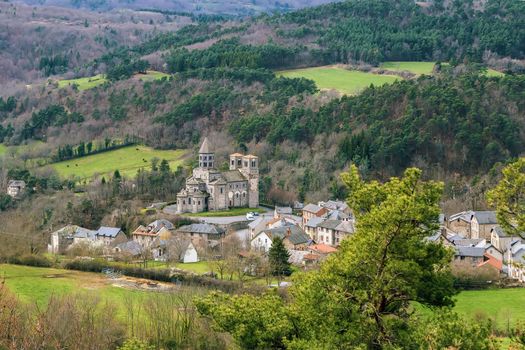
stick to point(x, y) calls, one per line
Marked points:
point(126, 160)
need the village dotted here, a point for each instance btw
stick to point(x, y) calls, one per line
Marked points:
point(310, 233)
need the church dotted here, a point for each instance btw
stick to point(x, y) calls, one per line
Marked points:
point(210, 189)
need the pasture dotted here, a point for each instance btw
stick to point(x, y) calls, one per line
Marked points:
point(126, 160)
point(412, 67)
point(3, 149)
point(345, 81)
point(87, 83)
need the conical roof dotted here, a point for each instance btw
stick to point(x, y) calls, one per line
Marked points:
point(205, 147)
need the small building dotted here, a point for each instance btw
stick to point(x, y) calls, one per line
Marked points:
point(201, 234)
point(61, 240)
point(322, 249)
point(280, 212)
point(294, 238)
point(189, 254)
point(460, 223)
point(130, 249)
point(311, 227)
point(257, 225)
point(15, 188)
point(335, 205)
point(110, 235)
point(332, 232)
point(472, 255)
point(143, 236)
point(313, 210)
point(482, 222)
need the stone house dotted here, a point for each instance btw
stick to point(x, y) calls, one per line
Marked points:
point(313, 210)
point(110, 235)
point(211, 189)
point(257, 225)
point(332, 232)
point(201, 234)
point(15, 188)
point(482, 222)
point(294, 238)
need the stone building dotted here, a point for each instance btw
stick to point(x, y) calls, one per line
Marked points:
point(212, 189)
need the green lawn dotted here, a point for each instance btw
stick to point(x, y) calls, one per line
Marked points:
point(343, 80)
point(413, 67)
point(494, 73)
point(152, 75)
point(3, 149)
point(127, 160)
point(502, 305)
point(225, 213)
point(84, 83)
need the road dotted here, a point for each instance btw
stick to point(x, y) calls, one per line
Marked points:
point(217, 220)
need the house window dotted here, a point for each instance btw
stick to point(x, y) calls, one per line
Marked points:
point(205, 164)
point(253, 163)
point(233, 162)
point(222, 189)
point(239, 162)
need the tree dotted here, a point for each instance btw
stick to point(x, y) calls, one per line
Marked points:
point(509, 198)
point(362, 296)
point(278, 257)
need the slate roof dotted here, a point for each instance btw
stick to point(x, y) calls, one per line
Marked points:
point(233, 176)
point(201, 229)
point(254, 223)
point(205, 147)
point(315, 221)
point(470, 251)
point(293, 233)
point(464, 215)
point(158, 224)
point(330, 224)
point(338, 215)
point(219, 181)
point(106, 231)
point(312, 208)
point(130, 247)
point(345, 226)
point(486, 217)
point(284, 210)
point(334, 205)
point(499, 231)
point(472, 242)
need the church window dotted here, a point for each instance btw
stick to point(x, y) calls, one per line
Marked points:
point(244, 194)
point(199, 202)
point(245, 164)
point(183, 202)
point(233, 162)
point(236, 185)
point(253, 164)
point(189, 200)
point(239, 162)
point(222, 190)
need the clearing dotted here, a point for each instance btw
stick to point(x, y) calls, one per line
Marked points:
point(346, 81)
point(87, 83)
point(3, 149)
point(412, 67)
point(127, 160)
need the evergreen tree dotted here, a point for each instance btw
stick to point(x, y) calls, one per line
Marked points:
point(278, 257)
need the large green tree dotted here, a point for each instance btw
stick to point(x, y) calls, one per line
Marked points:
point(278, 257)
point(362, 297)
point(509, 198)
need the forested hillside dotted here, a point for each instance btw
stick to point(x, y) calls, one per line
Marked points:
point(457, 124)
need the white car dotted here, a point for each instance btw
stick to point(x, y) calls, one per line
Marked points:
point(250, 216)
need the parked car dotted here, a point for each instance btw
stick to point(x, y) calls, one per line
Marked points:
point(250, 216)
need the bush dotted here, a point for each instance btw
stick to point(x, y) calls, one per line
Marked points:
point(30, 260)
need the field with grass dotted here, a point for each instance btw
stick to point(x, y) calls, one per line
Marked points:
point(504, 306)
point(226, 213)
point(83, 83)
point(346, 81)
point(126, 160)
point(37, 285)
point(3, 149)
point(152, 75)
point(412, 67)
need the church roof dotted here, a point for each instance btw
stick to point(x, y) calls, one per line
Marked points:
point(233, 176)
point(219, 181)
point(205, 147)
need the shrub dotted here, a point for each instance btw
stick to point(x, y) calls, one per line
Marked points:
point(30, 260)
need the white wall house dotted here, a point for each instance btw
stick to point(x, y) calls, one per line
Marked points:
point(189, 255)
point(261, 242)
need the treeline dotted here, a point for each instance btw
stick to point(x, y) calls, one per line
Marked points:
point(7, 105)
point(231, 53)
point(89, 148)
point(466, 124)
point(53, 64)
point(53, 115)
point(381, 30)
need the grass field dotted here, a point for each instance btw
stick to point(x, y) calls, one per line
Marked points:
point(37, 285)
point(84, 83)
point(504, 306)
point(225, 213)
point(413, 67)
point(343, 80)
point(127, 160)
point(3, 149)
point(494, 73)
point(87, 83)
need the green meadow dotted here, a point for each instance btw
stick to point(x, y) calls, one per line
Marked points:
point(83, 83)
point(346, 81)
point(413, 67)
point(3, 149)
point(87, 83)
point(126, 160)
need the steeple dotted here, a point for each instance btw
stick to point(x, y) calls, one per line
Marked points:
point(206, 156)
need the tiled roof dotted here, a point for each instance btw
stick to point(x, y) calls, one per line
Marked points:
point(205, 147)
point(322, 248)
point(201, 229)
point(108, 231)
point(312, 208)
point(233, 176)
point(486, 217)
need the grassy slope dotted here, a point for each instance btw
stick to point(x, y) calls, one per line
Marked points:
point(87, 83)
point(127, 160)
point(37, 285)
point(413, 67)
point(345, 81)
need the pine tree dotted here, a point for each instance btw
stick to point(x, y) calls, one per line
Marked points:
point(278, 257)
